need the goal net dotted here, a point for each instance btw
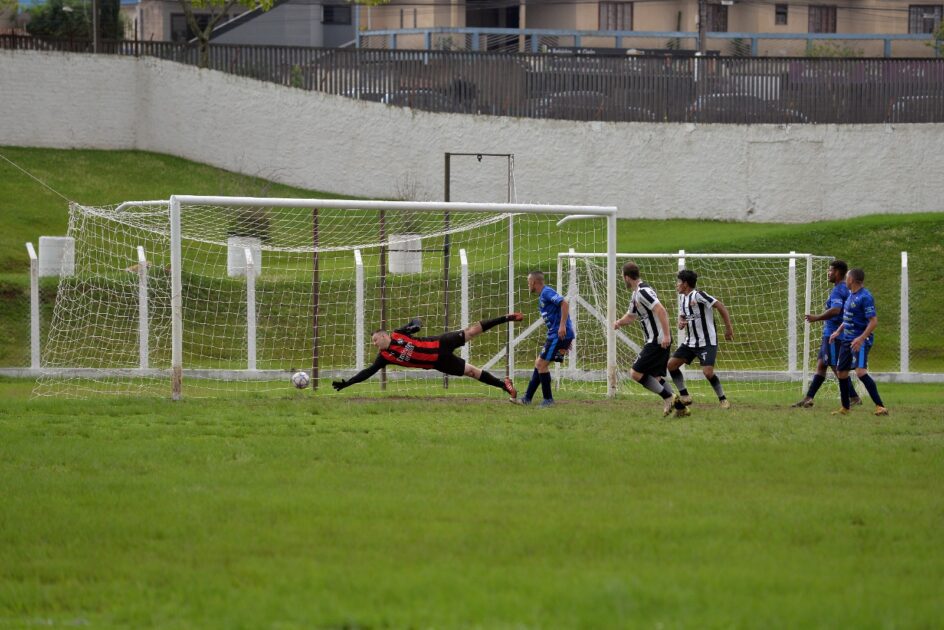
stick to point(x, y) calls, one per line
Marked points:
point(767, 295)
point(201, 296)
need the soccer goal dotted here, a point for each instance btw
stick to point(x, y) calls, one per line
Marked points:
point(767, 295)
point(200, 296)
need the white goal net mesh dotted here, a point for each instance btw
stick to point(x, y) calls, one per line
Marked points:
point(773, 349)
point(322, 280)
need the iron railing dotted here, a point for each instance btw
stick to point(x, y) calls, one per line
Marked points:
point(576, 87)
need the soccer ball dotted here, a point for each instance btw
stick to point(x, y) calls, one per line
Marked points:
point(300, 380)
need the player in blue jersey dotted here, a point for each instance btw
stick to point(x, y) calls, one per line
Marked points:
point(829, 351)
point(859, 320)
point(560, 334)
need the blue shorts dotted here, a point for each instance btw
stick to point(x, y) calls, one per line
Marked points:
point(554, 349)
point(829, 352)
point(849, 360)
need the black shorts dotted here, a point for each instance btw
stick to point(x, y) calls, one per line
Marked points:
point(850, 360)
point(554, 349)
point(447, 362)
point(706, 354)
point(829, 352)
point(652, 360)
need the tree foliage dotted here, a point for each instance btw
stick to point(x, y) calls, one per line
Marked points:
point(217, 10)
point(72, 19)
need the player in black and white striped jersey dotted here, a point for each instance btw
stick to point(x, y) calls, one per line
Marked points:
point(696, 317)
point(650, 366)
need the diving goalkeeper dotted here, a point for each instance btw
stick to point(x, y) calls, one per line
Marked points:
point(431, 353)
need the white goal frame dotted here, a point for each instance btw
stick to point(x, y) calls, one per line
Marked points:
point(796, 369)
point(178, 203)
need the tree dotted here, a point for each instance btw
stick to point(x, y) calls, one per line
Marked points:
point(72, 19)
point(217, 9)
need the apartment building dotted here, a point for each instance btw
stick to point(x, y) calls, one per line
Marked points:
point(866, 17)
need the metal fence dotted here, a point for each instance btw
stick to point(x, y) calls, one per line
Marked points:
point(576, 87)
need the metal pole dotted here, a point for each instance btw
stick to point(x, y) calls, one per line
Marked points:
point(315, 289)
point(905, 317)
point(791, 317)
point(464, 300)
point(359, 310)
point(807, 306)
point(142, 309)
point(446, 243)
point(34, 307)
point(702, 26)
point(96, 34)
point(611, 305)
point(176, 302)
point(250, 310)
point(383, 286)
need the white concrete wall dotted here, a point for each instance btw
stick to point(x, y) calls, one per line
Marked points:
point(759, 173)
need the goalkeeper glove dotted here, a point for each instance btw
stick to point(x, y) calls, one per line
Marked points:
point(339, 385)
point(414, 326)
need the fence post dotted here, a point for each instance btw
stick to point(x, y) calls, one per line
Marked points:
point(905, 316)
point(142, 309)
point(250, 310)
point(573, 290)
point(358, 310)
point(791, 316)
point(464, 298)
point(34, 307)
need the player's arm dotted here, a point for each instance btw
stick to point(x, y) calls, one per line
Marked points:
point(565, 314)
point(835, 334)
point(858, 341)
point(827, 314)
point(726, 316)
point(666, 340)
point(363, 375)
point(625, 320)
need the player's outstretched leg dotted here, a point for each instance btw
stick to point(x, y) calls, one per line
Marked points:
point(489, 379)
point(479, 327)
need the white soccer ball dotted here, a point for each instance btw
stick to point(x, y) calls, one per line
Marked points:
point(300, 380)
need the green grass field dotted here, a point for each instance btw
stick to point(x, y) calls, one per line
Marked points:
point(359, 510)
point(344, 512)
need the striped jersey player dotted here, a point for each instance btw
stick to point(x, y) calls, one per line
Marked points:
point(696, 318)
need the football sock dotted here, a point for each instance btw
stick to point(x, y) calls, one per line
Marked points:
point(872, 388)
point(489, 379)
point(679, 381)
point(533, 385)
point(815, 383)
point(716, 385)
point(654, 386)
point(546, 385)
point(491, 323)
point(844, 392)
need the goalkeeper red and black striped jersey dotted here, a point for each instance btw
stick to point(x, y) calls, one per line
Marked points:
point(412, 352)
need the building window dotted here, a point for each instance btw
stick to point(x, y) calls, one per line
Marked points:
point(924, 18)
point(180, 28)
point(780, 14)
point(717, 18)
point(616, 16)
point(336, 14)
point(822, 19)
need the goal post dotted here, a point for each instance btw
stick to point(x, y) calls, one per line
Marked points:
point(241, 289)
point(774, 347)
